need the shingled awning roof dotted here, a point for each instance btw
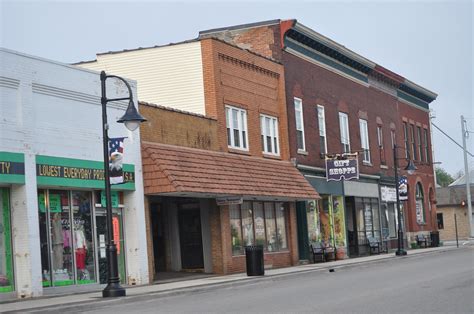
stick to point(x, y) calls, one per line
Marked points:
point(182, 171)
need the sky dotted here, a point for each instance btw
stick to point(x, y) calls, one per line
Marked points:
point(428, 42)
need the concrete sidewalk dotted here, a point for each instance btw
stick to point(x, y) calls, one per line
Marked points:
point(76, 301)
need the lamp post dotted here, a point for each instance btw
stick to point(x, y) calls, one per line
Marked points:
point(132, 120)
point(411, 169)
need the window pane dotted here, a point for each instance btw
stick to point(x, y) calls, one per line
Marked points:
point(43, 230)
point(235, 229)
point(375, 217)
point(281, 225)
point(61, 238)
point(259, 223)
point(312, 217)
point(243, 128)
point(299, 140)
point(83, 236)
point(247, 224)
point(392, 222)
point(272, 244)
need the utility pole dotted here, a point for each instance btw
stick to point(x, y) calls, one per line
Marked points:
point(465, 134)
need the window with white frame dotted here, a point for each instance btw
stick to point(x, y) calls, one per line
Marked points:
point(269, 127)
point(322, 130)
point(299, 124)
point(344, 129)
point(236, 121)
point(364, 140)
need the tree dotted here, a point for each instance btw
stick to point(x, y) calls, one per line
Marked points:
point(443, 178)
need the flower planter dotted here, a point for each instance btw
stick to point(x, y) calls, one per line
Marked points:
point(340, 254)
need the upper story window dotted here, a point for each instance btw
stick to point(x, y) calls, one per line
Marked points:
point(236, 121)
point(299, 125)
point(269, 127)
point(413, 142)
point(420, 208)
point(380, 144)
point(405, 140)
point(322, 130)
point(425, 135)
point(364, 140)
point(418, 138)
point(393, 137)
point(344, 129)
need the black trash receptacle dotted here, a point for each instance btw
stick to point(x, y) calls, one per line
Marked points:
point(434, 238)
point(254, 260)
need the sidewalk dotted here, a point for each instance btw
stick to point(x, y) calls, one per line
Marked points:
point(76, 301)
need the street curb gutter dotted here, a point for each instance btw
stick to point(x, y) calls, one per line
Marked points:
point(99, 302)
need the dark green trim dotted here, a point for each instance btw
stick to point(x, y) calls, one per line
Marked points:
point(302, 229)
point(8, 241)
point(411, 99)
point(325, 60)
point(15, 157)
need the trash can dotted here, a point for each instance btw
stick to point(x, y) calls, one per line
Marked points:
point(434, 238)
point(254, 260)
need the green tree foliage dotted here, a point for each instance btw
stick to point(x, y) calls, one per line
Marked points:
point(443, 178)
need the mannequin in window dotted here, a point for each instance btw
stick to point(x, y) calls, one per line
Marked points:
point(81, 246)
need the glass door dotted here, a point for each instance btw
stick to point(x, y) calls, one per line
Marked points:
point(6, 266)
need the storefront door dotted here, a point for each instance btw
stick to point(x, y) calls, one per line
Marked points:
point(101, 221)
point(190, 238)
point(6, 266)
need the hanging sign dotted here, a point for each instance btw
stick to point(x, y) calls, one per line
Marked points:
point(229, 200)
point(403, 188)
point(389, 194)
point(116, 160)
point(338, 169)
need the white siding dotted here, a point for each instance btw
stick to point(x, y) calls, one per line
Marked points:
point(170, 76)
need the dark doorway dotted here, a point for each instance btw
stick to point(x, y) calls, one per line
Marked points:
point(351, 225)
point(157, 224)
point(190, 238)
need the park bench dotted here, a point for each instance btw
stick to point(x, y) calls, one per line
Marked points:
point(322, 252)
point(374, 245)
point(421, 240)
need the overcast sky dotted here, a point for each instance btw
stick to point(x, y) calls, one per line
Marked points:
point(428, 42)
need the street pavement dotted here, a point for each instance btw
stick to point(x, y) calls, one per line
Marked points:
point(429, 280)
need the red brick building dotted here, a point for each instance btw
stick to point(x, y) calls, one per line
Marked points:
point(220, 178)
point(340, 102)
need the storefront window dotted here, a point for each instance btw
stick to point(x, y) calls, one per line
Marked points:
point(66, 237)
point(6, 268)
point(257, 223)
point(236, 229)
point(83, 236)
point(61, 238)
point(281, 228)
point(312, 218)
point(339, 223)
point(325, 214)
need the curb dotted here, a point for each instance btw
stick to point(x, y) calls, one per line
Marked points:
point(99, 302)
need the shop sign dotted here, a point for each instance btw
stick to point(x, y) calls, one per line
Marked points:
point(229, 200)
point(69, 172)
point(12, 168)
point(114, 196)
point(389, 194)
point(403, 188)
point(54, 203)
point(338, 169)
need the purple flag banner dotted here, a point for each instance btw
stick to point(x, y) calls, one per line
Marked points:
point(338, 169)
point(116, 160)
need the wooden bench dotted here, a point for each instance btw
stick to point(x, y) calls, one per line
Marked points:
point(421, 240)
point(374, 245)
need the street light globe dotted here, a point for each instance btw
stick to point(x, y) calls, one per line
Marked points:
point(411, 167)
point(132, 125)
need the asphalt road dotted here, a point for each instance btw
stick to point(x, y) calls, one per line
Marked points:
point(431, 283)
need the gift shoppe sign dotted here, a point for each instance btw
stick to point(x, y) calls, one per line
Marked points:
point(338, 169)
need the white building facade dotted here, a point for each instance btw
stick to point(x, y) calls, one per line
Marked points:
point(52, 211)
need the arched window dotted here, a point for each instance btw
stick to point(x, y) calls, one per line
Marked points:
point(420, 207)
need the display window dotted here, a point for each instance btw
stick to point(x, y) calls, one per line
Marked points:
point(6, 265)
point(66, 237)
point(258, 223)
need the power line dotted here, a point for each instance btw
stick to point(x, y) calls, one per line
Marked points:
point(454, 141)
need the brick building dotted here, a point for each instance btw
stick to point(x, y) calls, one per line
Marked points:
point(218, 176)
point(340, 102)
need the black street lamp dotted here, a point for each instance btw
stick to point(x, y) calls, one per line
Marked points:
point(410, 168)
point(132, 120)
